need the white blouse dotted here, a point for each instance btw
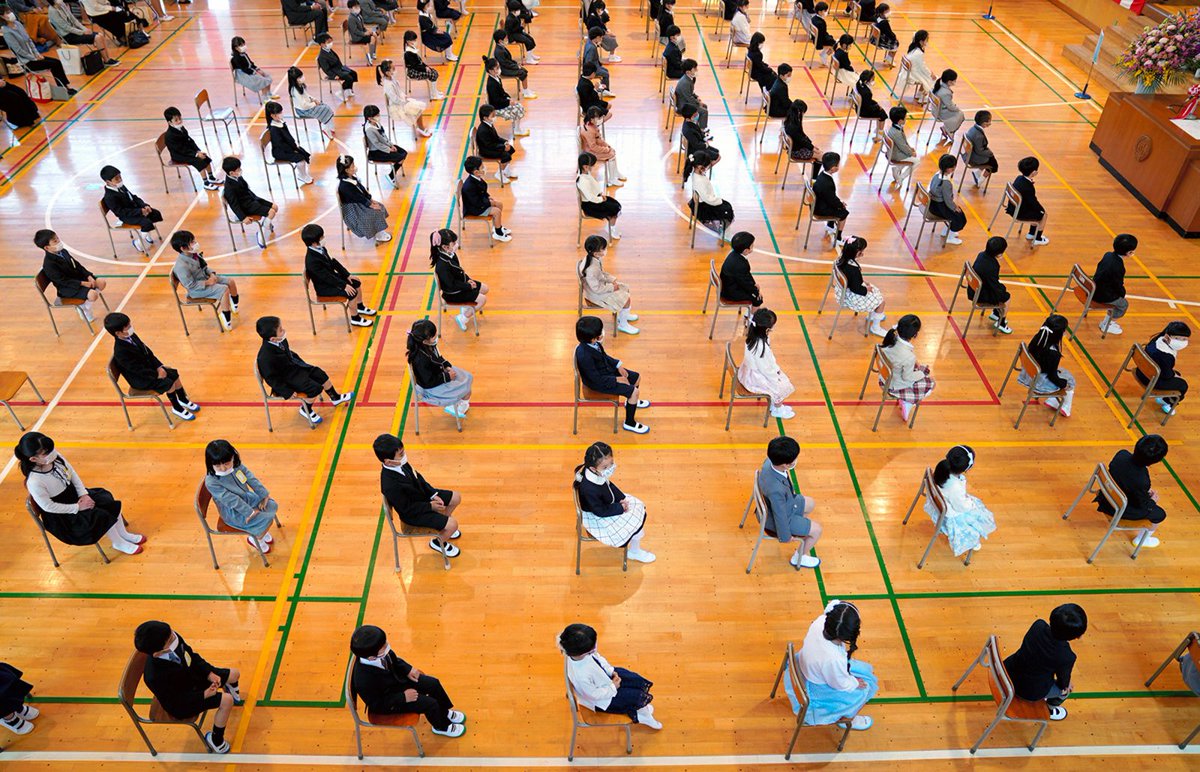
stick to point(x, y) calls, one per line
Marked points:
point(739, 25)
point(824, 662)
point(956, 496)
point(591, 188)
point(393, 92)
point(704, 189)
point(591, 678)
point(43, 486)
point(761, 361)
point(302, 100)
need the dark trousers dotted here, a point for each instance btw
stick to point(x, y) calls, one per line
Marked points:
point(54, 66)
point(318, 18)
point(432, 701)
point(146, 221)
point(956, 218)
point(348, 77)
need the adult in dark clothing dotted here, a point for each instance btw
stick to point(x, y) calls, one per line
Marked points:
point(1131, 473)
point(1046, 349)
point(780, 100)
point(144, 371)
point(600, 372)
point(288, 375)
point(1031, 210)
point(245, 206)
point(585, 89)
point(70, 279)
point(329, 277)
point(695, 139)
point(760, 72)
point(991, 289)
point(826, 202)
point(1164, 348)
point(673, 54)
point(1041, 668)
point(1110, 282)
point(184, 150)
point(19, 110)
point(332, 67)
point(16, 716)
point(388, 685)
point(307, 12)
point(184, 683)
point(415, 501)
point(129, 208)
point(737, 282)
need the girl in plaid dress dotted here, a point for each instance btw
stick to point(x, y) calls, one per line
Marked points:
point(609, 515)
point(911, 381)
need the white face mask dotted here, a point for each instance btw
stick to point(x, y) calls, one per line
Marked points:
point(51, 457)
point(55, 246)
point(1178, 344)
point(177, 124)
point(10, 16)
point(129, 332)
point(403, 459)
point(387, 649)
point(282, 337)
point(174, 642)
point(223, 472)
point(433, 341)
point(607, 473)
point(241, 49)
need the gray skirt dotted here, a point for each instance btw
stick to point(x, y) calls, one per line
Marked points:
point(1043, 384)
point(448, 393)
point(363, 221)
point(322, 113)
point(255, 82)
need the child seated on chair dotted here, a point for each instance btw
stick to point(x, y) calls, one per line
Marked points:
point(787, 510)
point(598, 18)
point(991, 290)
point(673, 53)
point(949, 118)
point(15, 715)
point(247, 73)
point(142, 370)
point(242, 501)
point(184, 683)
point(845, 72)
point(184, 150)
point(695, 139)
point(737, 282)
point(610, 516)
point(981, 154)
point(510, 67)
point(477, 202)
point(305, 105)
point(129, 209)
point(1110, 282)
point(332, 68)
point(710, 208)
point(443, 10)
point(598, 685)
point(968, 521)
point(887, 40)
point(388, 685)
point(823, 42)
point(600, 372)
point(665, 20)
point(417, 503)
point(72, 512)
point(825, 198)
point(416, 68)
point(201, 282)
point(778, 96)
point(602, 289)
point(802, 148)
point(1031, 210)
point(591, 55)
point(588, 91)
point(943, 203)
point(760, 72)
point(1041, 668)
point(432, 38)
point(499, 98)
point(490, 144)
point(1164, 348)
point(859, 296)
point(362, 215)
point(440, 383)
point(758, 372)
point(1131, 473)
point(918, 74)
point(380, 147)
point(739, 25)
point(356, 28)
point(1046, 349)
point(288, 375)
point(243, 203)
point(911, 381)
point(837, 685)
point(593, 199)
point(401, 106)
point(284, 148)
point(456, 286)
point(70, 279)
point(869, 107)
point(329, 277)
point(591, 140)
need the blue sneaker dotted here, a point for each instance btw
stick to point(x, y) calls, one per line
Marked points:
point(450, 409)
point(461, 321)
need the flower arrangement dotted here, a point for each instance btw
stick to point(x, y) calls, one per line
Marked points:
point(1165, 54)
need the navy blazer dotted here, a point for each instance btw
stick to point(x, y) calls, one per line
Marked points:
point(123, 203)
point(1109, 278)
point(1031, 208)
point(597, 369)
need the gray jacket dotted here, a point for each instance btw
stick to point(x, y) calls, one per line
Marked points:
point(357, 26)
point(786, 506)
point(372, 15)
point(901, 150)
point(980, 154)
point(941, 189)
point(21, 45)
point(236, 500)
point(376, 138)
point(187, 269)
point(685, 93)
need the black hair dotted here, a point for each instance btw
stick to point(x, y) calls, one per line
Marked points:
point(421, 331)
point(1068, 622)
point(702, 159)
point(115, 322)
point(673, 30)
point(881, 10)
point(1177, 329)
point(865, 78)
point(499, 34)
point(845, 40)
point(409, 35)
point(1150, 450)
point(367, 640)
point(996, 246)
point(592, 114)
point(353, 4)
point(231, 163)
point(370, 111)
point(688, 111)
point(294, 74)
point(741, 241)
point(830, 160)
point(151, 636)
point(843, 623)
point(589, 69)
point(759, 329)
point(1050, 334)
point(782, 450)
point(444, 237)
point(919, 37)
point(1028, 165)
point(109, 173)
point(946, 163)
point(588, 328)
point(343, 164)
point(472, 164)
point(43, 237)
point(577, 639)
point(784, 69)
point(312, 234)
point(235, 42)
point(220, 452)
point(267, 327)
point(273, 108)
point(897, 114)
point(485, 112)
point(591, 245)
point(181, 240)
point(171, 113)
point(323, 38)
point(958, 460)
point(905, 329)
point(595, 32)
point(819, 7)
point(946, 76)
point(756, 41)
point(795, 115)
point(688, 65)
point(31, 444)
point(489, 63)
point(983, 116)
point(1125, 243)
point(851, 249)
point(595, 453)
point(386, 446)
point(585, 160)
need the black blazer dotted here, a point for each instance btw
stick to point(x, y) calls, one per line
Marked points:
point(674, 58)
point(760, 72)
point(842, 57)
point(588, 96)
point(780, 101)
point(1134, 480)
point(66, 274)
point(123, 203)
point(329, 277)
point(665, 20)
point(240, 198)
point(514, 24)
point(1048, 360)
point(597, 369)
point(693, 137)
point(991, 289)
point(489, 141)
point(827, 201)
point(330, 63)
point(1109, 278)
point(852, 271)
point(475, 198)
point(496, 95)
point(887, 38)
point(136, 362)
point(795, 132)
point(382, 689)
point(1041, 662)
point(351, 191)
point(179, 686)
point(296, 10)
point(180, 145)
point(597, 20)
point(824, 39)
point(1165, 362)
point(737, 283)
point(452, 279)
point(1031, 208)
point(868, 108)
point(429, 367)
point(407, 493)
point(509, 66)
point(243, 63)
point(601, 500)
point(283, 145)
point(283, 370)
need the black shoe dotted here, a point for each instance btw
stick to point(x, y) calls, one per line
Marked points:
point(72, 91)
point(112, 63)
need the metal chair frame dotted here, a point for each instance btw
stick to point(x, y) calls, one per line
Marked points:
point(969, 280)
point(127, 691)
point(1023, 361)
point(199, 303)
point(1004, 695)
point(759, 503)
point(231, 219)
point(920, 200)
point(965, 148)
point(583, 301)
point(838, 278)
point(43, 283)
point(406, 531)
point(1101, 483)
point(132, 230)
point(737, 390)
point(879, 365)
point(416, 396)
point(582, 535)
point(264, 139)
point(886, 148)
point(931, 492)
point(324, 302)
point(113, 374)
point(785, 150)
point(1137, 360)
point(789, 664)
point(464, 218)
point(443, 304)
point(36, 513)
point(200, 504)
point(714, 282)
point(578, 722)
point(693, 224)
point(223, 116)
point(1083, 288)
point(23, 379)
point(1190, 645)
point(160, 146)
point(584, 395)
point(268, 398)
point(1011, 196)
point(808, 200)
point(407, 721)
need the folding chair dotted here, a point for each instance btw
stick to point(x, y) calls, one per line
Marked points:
point(374, 166)
point(288, 27)
point(43, 283)
point(463, 218)
point(160, 146)
point(729, 54)
point(443, 304)
point(1023, 362)
point(11, 382)
point(920, 201)
point(785, 151)
point(264, 139)
point(933, 494)
point(133, 393)
point(791, 666)
point(585, 395)
point(231, 219)
point(763, 115)
point(714, 283)
point(745, 80)
point(127, 693)
point(223, 116)
point(837, 278)
point(268, 398)
point(417, 395)
point(1190, 645)
point(808, 200)
point(475, 152)
point(134, 231)
point(872, 43)
point(324, 302)
point(905, 70)
point(594, 719)
point(299, 121)
point(406, 531)
point(1011, 196)
point(663, 80)
point(886, 148)
point(201, 503)
point(759, 503)
point(800, 25)
point(965, 149)
point(880, 366)
point(199, 303)
point(831, 74)
point(1009, 707)
point(693, 224)
point(1083, 288)
point(582, 215)
point(853, 108)
point(407, 721)
point(970, 281)
point(583, 301)
point(348, 44)
point(239, 87)
point(1101, 483)
point(581, 535)
point(1138, 361)
point(37, 514)
point(672, 113)
point(736, 390)
point(932, 109)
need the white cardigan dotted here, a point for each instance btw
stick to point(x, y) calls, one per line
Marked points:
point(704, 189)
point(43, 486)
point(591, 188)
point(761, 361)
point(824, 662)
point(591, 678)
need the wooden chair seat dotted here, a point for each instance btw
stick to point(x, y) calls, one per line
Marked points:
point(10, 383)
point(1022, 710)
point(743, 303)
point(588, 395)
point(412, 530)
point(742, 391)
point(393, 719)
point(598, 718)
point(332, 299)
point(224, 527)
point(199, 301)
point(69, 302)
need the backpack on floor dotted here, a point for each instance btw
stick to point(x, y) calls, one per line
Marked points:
point(137, 39)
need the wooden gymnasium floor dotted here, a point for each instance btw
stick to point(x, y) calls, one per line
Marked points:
point(708, 635)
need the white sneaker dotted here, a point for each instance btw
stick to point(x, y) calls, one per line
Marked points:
point(342, 399)
point(616, 184)
point(17, 725)
point(614, 58)
point(258, 239)
point(1052, 403)
point(226, 324)
point(312, 417)
point(361, 321)
point(787, 412)
point(501, 236)
point(861, 723)
point(456, 716)
point(631, 317)
point(28, 712)
point(781, 412)
point(1110, 327)
point(636, 428)
point(1057, 713)
point(450, 551)
point(1149, 543)
point(264, 547)
point(139, 246)
point(455, 730)
point(450, 57)
point(383, 237)
point(1041, 241)
point(628, 329)
point(424, 133)
point(642, 556)
point(222, 748)
point(877, 329)
point(950, 239)
point(305, 180)
point(808, 561)
point(616, 234)
point(527, 94)
point(461, 321)
point(650, 722)
point(906, 409)
point(185, 414)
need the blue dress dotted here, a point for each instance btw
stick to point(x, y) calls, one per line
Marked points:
point(968, 521)
point(237, 495)
point(827, 705)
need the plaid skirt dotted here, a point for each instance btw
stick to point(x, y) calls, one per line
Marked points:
point(513, 112)
point(915, 392)
point(859, 303)
point(616, 531)
point(363, 221)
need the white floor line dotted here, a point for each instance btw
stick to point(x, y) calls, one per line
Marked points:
point(1044, 63)
point(559, 762)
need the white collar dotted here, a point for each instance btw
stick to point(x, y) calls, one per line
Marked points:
point(372, 663)
point(279, 124)
point(784, 475)
point(905, 342)
point(594, 478)
point(397, 469)
point(1164, 347)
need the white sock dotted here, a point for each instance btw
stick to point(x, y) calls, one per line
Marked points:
point(266, 224)
point(468, 312)
point(1066, 403)
point(120, 543)
point(635, 544)
point(124, 532)
point(302, 168)
point(623, 316)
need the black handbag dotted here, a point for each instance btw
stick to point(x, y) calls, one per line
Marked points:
point(91, 63)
